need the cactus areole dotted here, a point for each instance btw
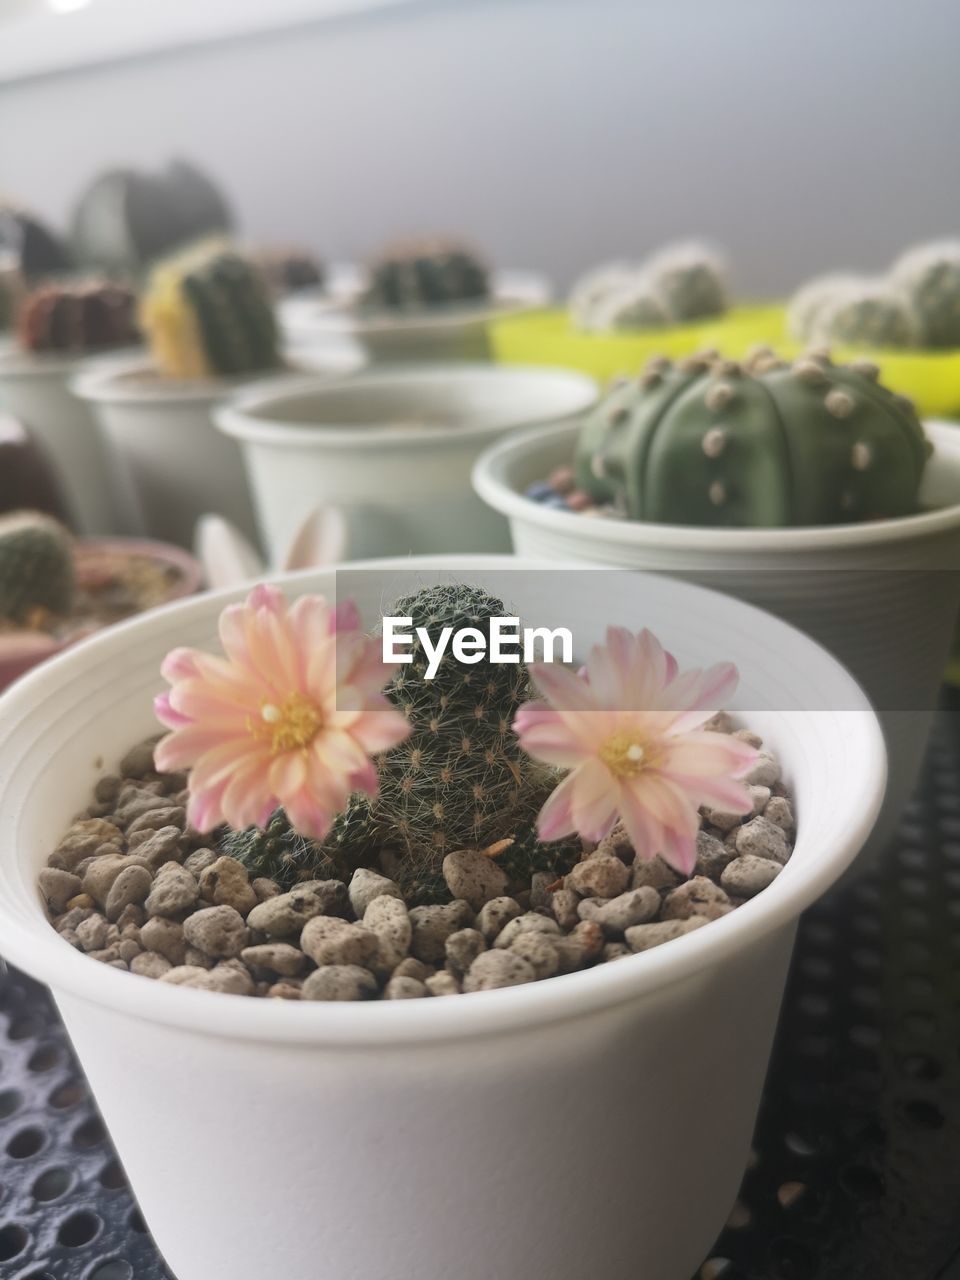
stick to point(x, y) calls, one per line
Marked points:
point(762, 444)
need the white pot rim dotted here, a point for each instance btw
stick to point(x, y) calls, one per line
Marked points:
point(31, 943)
point(245, 416)
point(491, 480)
point(114, 383)
point(15, 363)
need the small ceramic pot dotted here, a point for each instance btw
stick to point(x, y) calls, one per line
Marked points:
point(391, 449)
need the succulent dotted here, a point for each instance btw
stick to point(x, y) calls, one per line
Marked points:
point(868, 314)
point(126, 220)
point(37, 250)
point(207, 312)
point(36, 567)
point(764, 444)
point(680, 283)
point(632, 304)
point(527, 854)
point(929, 275)
point(806, 304)
point(289, 270)
point(73, 316)
point(689, 281)
point(425, 274)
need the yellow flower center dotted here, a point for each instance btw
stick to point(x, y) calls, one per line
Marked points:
point(291, 725)
point(625, 757)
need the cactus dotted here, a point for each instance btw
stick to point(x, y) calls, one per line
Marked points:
point(289, 270)
point(207, 312)
point(37, 250)
point(689, 281)
point(930, 278)
point(527, 854)
point(632, 304)
point(805, 305)
point(36, 567)
point(431, 273)
point(678, 284)
point(765, 444)
point(867, 314)
point(125, 220)
point(73, 317)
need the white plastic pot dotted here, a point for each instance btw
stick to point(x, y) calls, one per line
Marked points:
point(557, 1129)
point(883, 596)
point(392, 450)
point(35, 389)
point(161, 432)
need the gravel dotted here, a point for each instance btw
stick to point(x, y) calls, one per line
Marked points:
point(133, 886)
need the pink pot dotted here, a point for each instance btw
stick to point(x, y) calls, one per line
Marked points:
point(20, 651)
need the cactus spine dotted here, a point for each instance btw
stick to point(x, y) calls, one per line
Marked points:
point(36, 568)
point(207, 312)
point(765, 444)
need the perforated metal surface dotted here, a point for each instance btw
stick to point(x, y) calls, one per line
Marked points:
point(856, 1174)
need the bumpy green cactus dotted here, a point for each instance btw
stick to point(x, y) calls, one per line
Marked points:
point(36, 567)
point(930, 277)
point(711, 442)
point(208, 312)
point(689, 281)
point(423, 275)
point(77, 316)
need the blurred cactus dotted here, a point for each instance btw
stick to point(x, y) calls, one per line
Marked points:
point(679, 284)
point(76, 316)
point(36, 250)
point(929, 276)
point(288, 270)
point(429, 273)
point(688, 278)
point(207, 312)
point(36, 567)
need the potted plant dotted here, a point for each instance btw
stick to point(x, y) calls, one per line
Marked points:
point(423, 300)
point(56, 590)
point(208, 319)
point(63, 327)
point(420, 1098)
point(391, 450)
point(856, 540)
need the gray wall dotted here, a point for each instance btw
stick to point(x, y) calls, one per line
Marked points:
point(800, 135)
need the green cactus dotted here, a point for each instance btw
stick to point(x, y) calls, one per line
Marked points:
point(633, 304)
point(689, 281)
point(36, 567)
point(930, 277)
point(460, 780)
point(527, 854)
point(869, 315)
point(423, 275)
point(765, 444)
point(208, 312)
point(282, 854)
point(78, 316)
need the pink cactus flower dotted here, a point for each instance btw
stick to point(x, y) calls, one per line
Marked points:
point(629, 728)
point(290, 716)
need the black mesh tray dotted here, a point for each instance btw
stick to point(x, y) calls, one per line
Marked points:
point(856, 1166)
